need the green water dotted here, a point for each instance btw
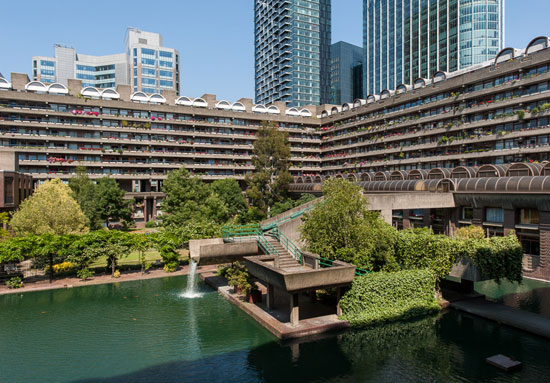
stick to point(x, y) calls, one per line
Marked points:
point(530, 295)
point(89, 335)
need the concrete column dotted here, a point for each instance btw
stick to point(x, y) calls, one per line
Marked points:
point(154, 215)
point(453, 220)
point(339, 294)
point(509, 220)
point(406, 220)
point(386, 215)
point(270, 296)
point(294, 309)
point(427, 219)
point(145, 209)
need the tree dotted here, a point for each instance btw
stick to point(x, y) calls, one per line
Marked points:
point(51, 209)
point(229, 191)
point(271, 178)
point(342, 227)
point(111, 203)
point(189, 198)
point(85, 193)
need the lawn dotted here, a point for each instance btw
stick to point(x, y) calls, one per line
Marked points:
point(133, 258)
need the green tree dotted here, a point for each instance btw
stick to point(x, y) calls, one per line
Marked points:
point(189, 198)
point(304, 198)
point(342, 227)
point(229, 191)
point(111, 203)
point(271, 178)
point(141, 244)
point(85, 193)
point(51, 209)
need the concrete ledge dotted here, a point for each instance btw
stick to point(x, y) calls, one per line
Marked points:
point(523, 320)
point(465, 270)
point(283, 331)
point(215, 251)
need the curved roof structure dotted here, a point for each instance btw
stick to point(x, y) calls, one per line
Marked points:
point(398, 175)
point(545, 171)
point(402, 88)
point(381, 176)
point(372, 98)
point(324, 114)
point(439, 76)
point(505, 55)
point(185, 101)
point(305, 113)
point(491, 171)
point(523, 169)
point(139, 97)
point(315, 188)
point(272, 109)
point(347, 107)
point(292, 112)
point(238, 107)
point(439, 173)
point(420, 83)
point(464, 172)
point(537, 44)
point(36, 86)
point(260, 108)
point(157, 98)
point(199, 103)
point(224, 105)
point(537, 184)
point(317, 179)
point(90, 91)
point(417, 174)
point(358, 102)
point(386, 93)
point(4, 84)
point(334, 110)
point(110, 94)
point(57, 88)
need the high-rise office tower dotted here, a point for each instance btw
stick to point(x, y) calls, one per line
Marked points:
point(146, 65)
point(292, 51)
point(408, 39)
point(346, 73)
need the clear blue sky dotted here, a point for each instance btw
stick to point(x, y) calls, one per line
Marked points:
point(214, 37)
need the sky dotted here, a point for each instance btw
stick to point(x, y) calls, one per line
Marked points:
point(215, 38)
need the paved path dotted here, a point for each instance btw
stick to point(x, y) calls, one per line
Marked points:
point(500, 313)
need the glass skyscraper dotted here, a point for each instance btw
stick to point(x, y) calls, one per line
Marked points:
point(408, 39)
point(346, 72)
point(292, 51)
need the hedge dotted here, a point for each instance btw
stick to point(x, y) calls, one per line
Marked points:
point(385, 297)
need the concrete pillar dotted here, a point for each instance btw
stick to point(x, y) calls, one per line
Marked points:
point(427, 219)
point(294, 309)
point(145, 210)
point(154, 215)
point(406, 220)
point(270, 296)
point(339, 294)
point(509, 220)
point(386, 215)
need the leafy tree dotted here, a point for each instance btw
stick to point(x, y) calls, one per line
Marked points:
point(252, 215)
point(271, 178)
point(342, 227)
point(85, 193)
point(189, 198)
point(51, 209)
point(111, 203)
point(304, 198)
point(281, 207)
point(229, 191)
point(141, 244)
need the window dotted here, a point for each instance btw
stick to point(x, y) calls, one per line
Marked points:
point(467, 213)
point(494, 214)
point(165, 54)
point(529, 217)
point(8, 190)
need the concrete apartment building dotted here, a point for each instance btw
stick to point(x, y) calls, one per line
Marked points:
point(146, 65)
point(470, 125)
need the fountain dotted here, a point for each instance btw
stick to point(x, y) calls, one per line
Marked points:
point(191, 290)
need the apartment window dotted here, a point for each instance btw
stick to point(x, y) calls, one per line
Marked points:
point(165, 54)
point(467, 213)
point(8, 190)
point(529, 217)
point(494, 214)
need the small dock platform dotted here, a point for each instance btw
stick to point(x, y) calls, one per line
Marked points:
point(315, 318)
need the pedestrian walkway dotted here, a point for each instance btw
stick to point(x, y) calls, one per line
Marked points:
point(500, 313)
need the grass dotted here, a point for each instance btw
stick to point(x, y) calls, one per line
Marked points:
point(133, 258)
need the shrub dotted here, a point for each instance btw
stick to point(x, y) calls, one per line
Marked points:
point(64, 267)
point(86, 273)
point(237, 276)
point(151, 224)
point(171, 267)
point(15, 283)
point(116, 274)
point(384, 297)
point(470, 232)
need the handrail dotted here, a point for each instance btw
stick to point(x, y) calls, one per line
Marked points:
point(247, 231)
point(289, 245)
point(290, 217)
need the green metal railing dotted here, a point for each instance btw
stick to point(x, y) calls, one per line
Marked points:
point(241, 232)
point(289, 245)
point(275, 224)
